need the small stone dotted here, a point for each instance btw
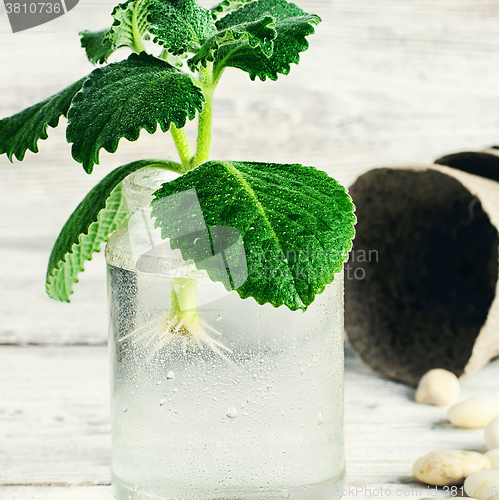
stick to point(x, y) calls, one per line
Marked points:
point(492, 434)
point(448, 468)
point(493, 456)
point(474, 413)
point(438, 387)
point(483, 484)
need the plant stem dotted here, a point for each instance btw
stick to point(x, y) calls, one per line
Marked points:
point(137, 38)
point(185, 297)
point(182, 145)
point(204, 125)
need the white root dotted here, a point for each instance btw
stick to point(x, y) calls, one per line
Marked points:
point(168, 328)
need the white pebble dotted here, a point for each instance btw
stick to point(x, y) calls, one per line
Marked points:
point(492, 434)
point(448, 468)
point(493, 456)
point(438, 387)
point(483, 484)
point(474, 413)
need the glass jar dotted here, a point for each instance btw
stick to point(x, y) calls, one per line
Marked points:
point(213, 396)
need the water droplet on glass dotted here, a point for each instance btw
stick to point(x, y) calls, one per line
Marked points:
point(170, 375)
point(302, 371)
point(285, 494)
point(136, 487)
point(158, 382)
point(125, 410)
point(231, 412)
point(162, 401)
point(320, 418)
point(175, 389)
point(218, 318)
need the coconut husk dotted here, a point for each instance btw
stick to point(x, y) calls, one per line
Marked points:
point(421, 286)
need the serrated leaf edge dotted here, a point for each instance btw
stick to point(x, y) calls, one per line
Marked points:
point(139, 11)
point(102, 59)
point(88, 243)
point(233, 35)
point(313, 20)
point(89, 239)
point(89, 163)
point(226, 7)
point(338, 264)
point(33, 147)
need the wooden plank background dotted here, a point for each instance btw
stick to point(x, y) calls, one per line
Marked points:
point(386, 82)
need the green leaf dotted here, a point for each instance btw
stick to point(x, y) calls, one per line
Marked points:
point(22, 131)
point(130, 25)
point(258, 34)
point(95, 218)
point(96, 46)
point(177, 61)
point(292, 26)
point(180, 25)
point(227, 6)
point(122, 98)
point(296, 225)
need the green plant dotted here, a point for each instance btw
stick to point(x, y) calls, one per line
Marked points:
point(276, 208)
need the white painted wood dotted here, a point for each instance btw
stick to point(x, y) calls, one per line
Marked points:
point(54, 416)
point(385, 82)
point(29, 316)
point(57, 493)
point(54, 425)
point(386, 431)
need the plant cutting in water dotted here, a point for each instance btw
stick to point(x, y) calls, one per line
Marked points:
point(275, 210)
point(182, 324)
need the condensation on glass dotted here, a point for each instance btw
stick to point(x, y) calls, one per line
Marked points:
point(213, 396)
